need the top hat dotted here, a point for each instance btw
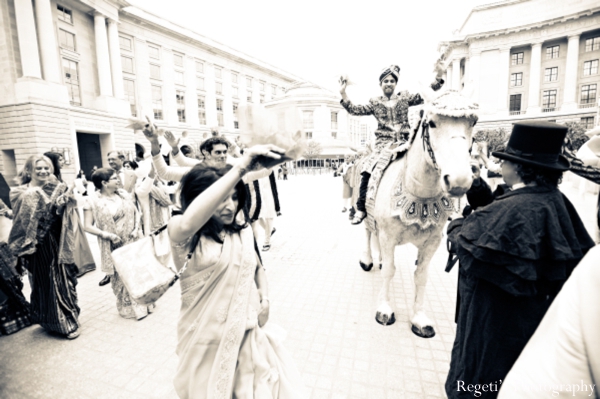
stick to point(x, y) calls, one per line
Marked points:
point(537, 144)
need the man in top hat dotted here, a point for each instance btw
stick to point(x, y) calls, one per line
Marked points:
point(516, 250)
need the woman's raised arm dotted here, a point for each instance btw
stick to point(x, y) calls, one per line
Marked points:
point(202, 208)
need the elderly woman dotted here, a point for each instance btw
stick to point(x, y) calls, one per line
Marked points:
point(515, 252)
point(113, 217)
point(223, 350)
point(42, 240)
point(391, 112)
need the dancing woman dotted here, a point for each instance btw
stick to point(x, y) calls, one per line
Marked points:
point(114, 219)
point(223, 350)
point(43, 245)
point(391, 112)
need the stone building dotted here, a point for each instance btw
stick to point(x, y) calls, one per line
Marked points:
point(529, 59)
point(74, 71)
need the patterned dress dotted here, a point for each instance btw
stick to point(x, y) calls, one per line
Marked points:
point(117, 215)
point(392, 119)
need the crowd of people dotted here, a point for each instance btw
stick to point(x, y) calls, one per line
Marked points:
point(518, 245)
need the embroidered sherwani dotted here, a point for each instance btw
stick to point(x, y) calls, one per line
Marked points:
point(392, 119)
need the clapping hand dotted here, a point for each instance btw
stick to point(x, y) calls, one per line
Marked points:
point(171, 139)
point(150, 131)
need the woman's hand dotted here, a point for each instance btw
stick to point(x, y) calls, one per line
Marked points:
point(115, 239)
point(171, 139)
point(262, 157)
point(343, 84)
point(263, 316)
point(151, 131)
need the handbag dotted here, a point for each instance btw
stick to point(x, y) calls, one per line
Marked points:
point(146, 266)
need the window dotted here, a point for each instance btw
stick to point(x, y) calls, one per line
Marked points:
point(236, 124)
point(220, 104)
point(516, 58)
point(588, 122)
point(129, 86)
point(551, 74)
point(262, 98)
point(590, 68)
point(334, 135)
point(307, 120)
point(234, 92)
point(180, 99)
point(516, 79)
point(588, 94)
point(273, 90)
point(334, 121)
point(72, 81)
point(125, 43)
point(552, 52)
point(262, 87)
point(219, 87)
point(549, 99)
point(155, 71)
point(199, 83)
point(127, 64)
point(201, 110)
point(199, 67)
point(178, 60)
point(592, 44)
point(248, 81)
point(249, 96)
point(515, 103)
point(234, 77)
point(220, 119)
point(218, 72)
point(157, 102)
point(154, 52)
point(178, 77)
point(220, 112)
point(309, 135)
point(64, 14)
point(66, 39)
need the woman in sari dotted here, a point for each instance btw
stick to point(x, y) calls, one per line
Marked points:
point(82, 252)
point(223, 350)
point(42, 240)
point(114, 219)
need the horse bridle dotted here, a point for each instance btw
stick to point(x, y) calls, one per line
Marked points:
point(427, 140)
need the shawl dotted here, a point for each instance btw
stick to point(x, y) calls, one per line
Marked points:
point(525, 236)
point(35, 210)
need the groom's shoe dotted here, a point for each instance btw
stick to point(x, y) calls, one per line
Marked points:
point(104, 281)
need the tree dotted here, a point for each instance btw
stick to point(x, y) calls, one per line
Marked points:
point(495, 138)
point(576, 135)
point(313, 149)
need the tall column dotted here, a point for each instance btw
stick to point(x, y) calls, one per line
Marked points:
point(570, 95)
point(115, 59)
point(48, 47)
point(503, 80)
point(534, 78)
point(28, 45)
point(456, 74)
point(102, 57)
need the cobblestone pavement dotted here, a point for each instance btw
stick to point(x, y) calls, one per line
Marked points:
point(318, 293)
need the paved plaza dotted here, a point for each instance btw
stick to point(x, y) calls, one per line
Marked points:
point(318, 294)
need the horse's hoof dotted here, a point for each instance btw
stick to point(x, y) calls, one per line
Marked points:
point(425, 332)
point(366, 267)
point(384, 320)
point(380, 266)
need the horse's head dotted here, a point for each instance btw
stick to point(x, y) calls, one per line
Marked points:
point(446, 127)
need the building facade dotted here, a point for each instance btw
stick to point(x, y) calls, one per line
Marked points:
point(324, 119)
point(75, 71)
point(529, 59)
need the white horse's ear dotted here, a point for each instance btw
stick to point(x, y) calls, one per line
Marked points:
point(426, 91)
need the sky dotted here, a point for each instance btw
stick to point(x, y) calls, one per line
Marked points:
point(318, 40)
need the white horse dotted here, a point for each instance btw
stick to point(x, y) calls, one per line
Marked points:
point(413, 201)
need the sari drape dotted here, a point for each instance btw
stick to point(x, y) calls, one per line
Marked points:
point(222, 351)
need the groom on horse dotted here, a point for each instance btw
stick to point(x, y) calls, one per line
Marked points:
point(391, 112)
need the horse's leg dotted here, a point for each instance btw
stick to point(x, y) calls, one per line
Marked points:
point(366, 260)
point(421, 324)
point(376, 249)
point(385, 310)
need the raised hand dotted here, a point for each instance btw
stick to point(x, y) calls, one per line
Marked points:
point(150, 131)
point(262, 157)
point(171, 139)
point(343, 84)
